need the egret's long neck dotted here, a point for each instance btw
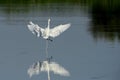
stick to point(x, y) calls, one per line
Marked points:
point(48, 23)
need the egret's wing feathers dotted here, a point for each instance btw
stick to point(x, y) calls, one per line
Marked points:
point(58, 30)
point(35, 29)
point(31, 28)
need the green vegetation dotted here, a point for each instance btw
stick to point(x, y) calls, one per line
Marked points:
point(105, 22)
point(37, 1)
point(85, 2)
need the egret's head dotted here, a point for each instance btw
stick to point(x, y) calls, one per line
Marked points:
point(49, 20)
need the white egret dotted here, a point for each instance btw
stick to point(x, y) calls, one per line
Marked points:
point(43, 67)
point(47, 32)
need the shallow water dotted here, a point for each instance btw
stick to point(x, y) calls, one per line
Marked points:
point(84, 55)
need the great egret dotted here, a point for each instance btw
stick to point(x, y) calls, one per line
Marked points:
point(43, 67)
point(47, 32)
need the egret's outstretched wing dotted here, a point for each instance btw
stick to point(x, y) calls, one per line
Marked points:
point(31, 27)
point(35, 29)
point(58, 30)
point(57, 69)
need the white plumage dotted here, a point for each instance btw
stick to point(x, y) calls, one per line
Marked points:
point(47, 32)
point(58, 30)
point(34, 28)
point(35, 69)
